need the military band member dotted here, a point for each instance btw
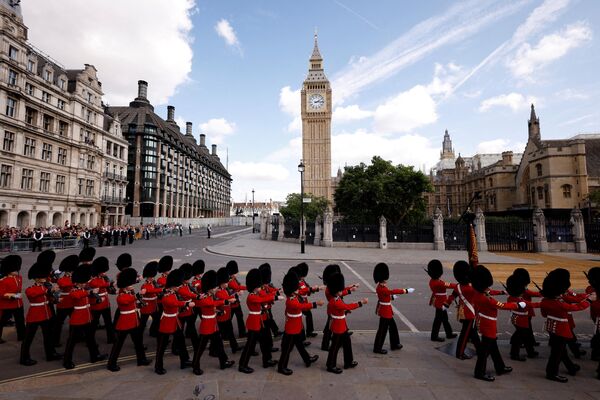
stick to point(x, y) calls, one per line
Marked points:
point(129, 320)
point(11, 302)
point(516, 288)
point(235, 286)
point(293, 324)
point(101, 308)
point(64, 308)
point(337, 309)
point(39, 314)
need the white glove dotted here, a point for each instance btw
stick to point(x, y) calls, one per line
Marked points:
point(410, 290)
point(57, 272)
point(17, 296)
point(393, 297)
point(522, 304)
point(444, 307)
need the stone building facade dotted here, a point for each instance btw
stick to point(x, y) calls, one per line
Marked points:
point(549, 174)
point(53, 133)
point(170, 175)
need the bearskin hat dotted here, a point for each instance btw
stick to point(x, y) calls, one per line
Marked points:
point(551, 288)
point(302, 269)
point(47, 257)
point(100, 265)
point(265, 273)
point(335, 283)
point(82, 274)
point(222, 276)
point(124, 261)
point(563, 279)
point(165, 264)
point(10, 263)
point(150, 270)
point(330, 270)
point(594, 278)
point(515, 286)
point(127, 277)
point(198, 267)
point(87, 254)
point(209, 280)
point(381, 273)
point(69, 263)
point(435, 269)
point(523, 275)
point(39, 271)
point(174, 279)
point(187, 271)
point(462, 272)
point(290, 283)
point(481, 278)
point(232, 267)
point(253, 279)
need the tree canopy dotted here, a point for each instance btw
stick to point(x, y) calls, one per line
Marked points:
point(291, 210)
point(367, 192)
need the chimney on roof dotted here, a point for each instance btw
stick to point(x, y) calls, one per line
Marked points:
point(202, 140)
point(214, 150)
point(188, 129)
point(507, 157)
point(170, 114)
point(142, 90)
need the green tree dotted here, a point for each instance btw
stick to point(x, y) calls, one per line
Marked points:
point(367, 192)
point(291, 210)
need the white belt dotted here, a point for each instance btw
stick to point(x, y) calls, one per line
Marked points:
point(294, 315)
point(487, 317)
point(38, 304)
point(168, 315)
point(127, 312)
point(64, 294)
point(208, 316)
point(338, 316)
point(254, 312)
point(557, 319)
point(384, 304)
point(149, 298)
point(439, 294)
point(520, 313)
point(102, 294)
point(81, 307)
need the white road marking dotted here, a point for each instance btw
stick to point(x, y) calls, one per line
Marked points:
point(230, 232)
point(396, 311)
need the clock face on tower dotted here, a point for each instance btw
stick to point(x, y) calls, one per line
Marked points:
point(316, 101)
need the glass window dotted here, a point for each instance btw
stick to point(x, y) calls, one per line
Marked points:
point(47, 75)
point(46, 97)
point(46, 152)
point(5, 176)
point(30, 65)
point(61, 104)
point(538, 168)
point(29, 148)
point(13, 53)
point(62, 156)
point(12, 77)
point(9, 141)
point(48, 123)
point(566, 191)
point(540, 191)
point(11, 107)
point(80, 185)
point(91, 164)
point(44, 182)
point(62, 84)
point(30, 89)
point(63, 128)
point(27, 179)
point(30, 116)
point(108, 147)
point(89, 187)
point(60, 184)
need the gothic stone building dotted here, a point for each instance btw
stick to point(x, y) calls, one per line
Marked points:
point(53, 134)
point(170, 175)
point(549, 174)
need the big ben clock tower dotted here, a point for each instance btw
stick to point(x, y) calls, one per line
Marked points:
point(316, 128)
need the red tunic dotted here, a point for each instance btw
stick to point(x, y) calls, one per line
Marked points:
point(10, 284)
point(225, 310)
point(328, 295)
point(528, 296)
point(65, 285)
point(520, 318)
point(487, 312)
point(293, 314)
point(185, 293)
point(150, 297)
point(337, 311)
point(128, 313)
point(255, 302)
point(208, 314)
point(81, 314)
point(197, 283)
point(236, 287)
point(267, 290)
point(557, 312)
point(465, 294)
point(162, 280)
point(572, 297)
point(594, 307)
point(438, 292)
point(39, 309)
point(101, 284)
point(384, 300)
point(169, 322)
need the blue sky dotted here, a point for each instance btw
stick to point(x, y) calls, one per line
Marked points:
point(402, 73)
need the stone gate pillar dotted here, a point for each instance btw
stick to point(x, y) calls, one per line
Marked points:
point(264, 222)
point(328, 229)
point(540, 243)
point(480, 230)
point(281, 227)
point(318, 222)
point(438, 230)
point(382, 232)
point(578, 230)
point(269, 223)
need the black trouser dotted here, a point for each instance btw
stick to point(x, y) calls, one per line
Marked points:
point(441, 318)
point(161, 346)
point(272, 324)
point(17, 313)
point(136, 338)
point(239, 316)
point(340, 340)
point(30, 331)
point(155, 324)
point(216, 345)
point(265, 347)
point(468, 331)
point(558, 353)
point(522, 336)
point(226, 329)
point(115, 240)
point(189, 329)
point(595, 345)
point(574, 345)
point(61, 315)
point(385, 325)
point(86, 243)
point(287, 343)
point(75, 332)
point(488, 347)
point(100, 241)
point(37, 244)
point(310, 327)
point(108, 323)
point(123, 240)
point(326, 335)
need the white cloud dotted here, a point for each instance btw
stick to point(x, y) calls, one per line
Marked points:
point(514, 101)
point(125, 43)
point(497, 146)
point(406, 111)
point(216, 129)
point(226, 31)
point(289, 103)
point(343, 115)
point(258, 171)
point(572, 94)
point(529, 59)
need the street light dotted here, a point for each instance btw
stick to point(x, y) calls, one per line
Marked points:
point(253, 211)
point(301, 170)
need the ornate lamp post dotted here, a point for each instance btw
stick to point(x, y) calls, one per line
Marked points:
point(301, 170)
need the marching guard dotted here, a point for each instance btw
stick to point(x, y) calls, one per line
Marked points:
point(466, 310)
point(64, 308)
point(516, 287)
point(438, 300)
point(330, 270)
point(305, 290)
point(151, 295)
point(224, 311)
point(101, 308)
point(11, 302)
point(235, 286)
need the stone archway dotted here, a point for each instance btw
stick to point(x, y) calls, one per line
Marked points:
point(83, 219)
point(57, 219)
point(41, 220)
point(3, 218)
point(23, 219)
